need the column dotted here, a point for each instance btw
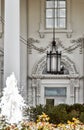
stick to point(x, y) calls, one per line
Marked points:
point(77, 94)
point(11, 39)
point(33, 87)
point(68, 98)
point(72, 89)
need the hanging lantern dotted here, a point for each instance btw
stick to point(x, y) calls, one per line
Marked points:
point(54, 56)
point(54, 60)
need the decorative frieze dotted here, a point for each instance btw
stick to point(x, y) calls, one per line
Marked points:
point(40, 76)
point(80, 43)
point(30, 43)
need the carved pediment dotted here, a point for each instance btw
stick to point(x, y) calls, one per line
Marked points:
point(41, 65)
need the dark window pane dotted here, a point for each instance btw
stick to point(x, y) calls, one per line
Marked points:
point(50, 102)
point(52, 91)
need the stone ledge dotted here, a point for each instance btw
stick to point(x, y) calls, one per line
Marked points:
point(37, 76)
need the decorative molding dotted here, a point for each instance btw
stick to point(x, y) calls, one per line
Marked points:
point(31, 41)
point(1, 51)
point(1, 26)
point(80, 42)
point(41, 64)
point(77, 43)
point(74, 82)
point(42, 29)
point(0, 29)
point(70, 48)
point(39, 76)
point(69, 64)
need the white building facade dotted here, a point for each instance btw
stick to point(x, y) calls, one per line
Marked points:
point(25, 38)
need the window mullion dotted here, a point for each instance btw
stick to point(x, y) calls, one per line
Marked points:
point(57, 13)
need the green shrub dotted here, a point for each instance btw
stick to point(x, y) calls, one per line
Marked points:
point(81, 117)
point(35, 111)
point(60, 113)
point(77, 107)
point(72, 114)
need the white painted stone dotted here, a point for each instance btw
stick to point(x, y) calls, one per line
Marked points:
point(12, 39)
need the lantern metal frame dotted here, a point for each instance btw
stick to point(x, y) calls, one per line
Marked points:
point(54, 56)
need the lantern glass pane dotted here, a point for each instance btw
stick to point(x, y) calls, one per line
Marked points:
point(59, 62)
point(53, 63)
point(48, 63)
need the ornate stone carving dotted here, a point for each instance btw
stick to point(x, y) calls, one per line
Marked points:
point(69, 49)
point(1, 24)
point(39, 76)
point(38, 66)
point(41, 64)
point(1, 51)
point(74, 82)
point(80, 43)
point(29, 43)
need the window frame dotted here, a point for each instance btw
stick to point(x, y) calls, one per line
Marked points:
point(43, 30)
point(57, 91)
point(58, 17)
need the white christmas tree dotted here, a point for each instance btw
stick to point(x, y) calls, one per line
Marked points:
point(12, 102)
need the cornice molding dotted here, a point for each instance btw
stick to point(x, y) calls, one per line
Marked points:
point(38, 76)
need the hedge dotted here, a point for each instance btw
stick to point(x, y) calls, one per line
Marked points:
point(60, 113)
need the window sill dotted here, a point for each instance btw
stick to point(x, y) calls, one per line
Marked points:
point(67, 31)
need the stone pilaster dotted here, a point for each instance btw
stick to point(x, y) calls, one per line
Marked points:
point(11, 39)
